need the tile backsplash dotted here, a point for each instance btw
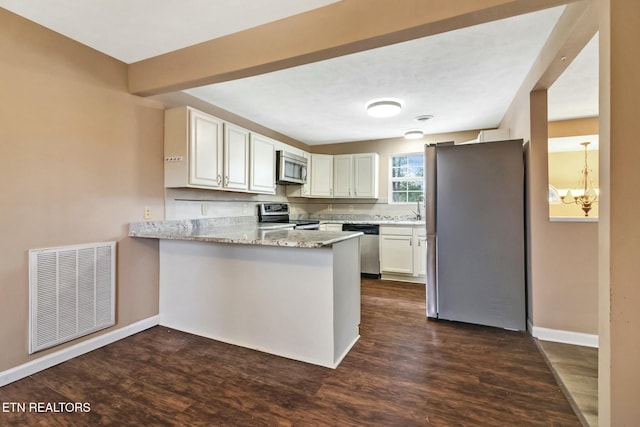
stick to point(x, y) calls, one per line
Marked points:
point(194, 204)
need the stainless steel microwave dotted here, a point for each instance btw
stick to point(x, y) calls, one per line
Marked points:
point(290, 168)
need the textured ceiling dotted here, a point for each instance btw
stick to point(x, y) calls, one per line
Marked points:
point(575, 93)
point(465, 78)
point(133, 30)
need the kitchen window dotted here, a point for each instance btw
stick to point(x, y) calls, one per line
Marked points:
point(406, 177)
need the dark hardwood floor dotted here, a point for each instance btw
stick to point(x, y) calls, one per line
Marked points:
point(404, 371)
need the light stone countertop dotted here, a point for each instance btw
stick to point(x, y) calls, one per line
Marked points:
point(241, 232)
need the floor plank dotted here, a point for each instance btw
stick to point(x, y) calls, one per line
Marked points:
point(405, 371)
point(576, 368)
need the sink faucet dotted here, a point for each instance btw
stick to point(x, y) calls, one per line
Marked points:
point(418, 214)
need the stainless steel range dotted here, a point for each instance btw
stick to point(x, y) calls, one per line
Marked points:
point(279, 213)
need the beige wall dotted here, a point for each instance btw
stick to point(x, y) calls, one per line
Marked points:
point(72, 176)
point(619, 371)
point(81, 159)
point(562, 279)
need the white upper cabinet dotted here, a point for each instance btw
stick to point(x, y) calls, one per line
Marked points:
point(303, 190)
point(262, 176)
point(193, 147)
point(343, 175)
point(365, 175)
point(356, 175)
point(202, 151)
point(321, 175)
point(236, 157)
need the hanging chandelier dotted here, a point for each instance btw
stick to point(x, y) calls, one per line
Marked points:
point(586, 194)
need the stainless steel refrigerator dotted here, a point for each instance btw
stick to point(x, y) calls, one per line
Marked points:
point(476, 233)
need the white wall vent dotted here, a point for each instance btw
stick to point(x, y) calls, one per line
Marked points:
point(71, 292)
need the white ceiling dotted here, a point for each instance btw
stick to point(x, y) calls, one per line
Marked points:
point(575, 93)
point(466, 78)
point(572, 143)
point(133, 30)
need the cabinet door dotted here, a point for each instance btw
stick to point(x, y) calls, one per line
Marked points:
point(303, 190)
point(420, 251)
point(205, 147)
point(236, 157)
point(396, 254)
point(321, 175)
point(342, 175)
point(262, 178)
point(365, 175)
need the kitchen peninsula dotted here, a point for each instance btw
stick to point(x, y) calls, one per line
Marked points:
point(292, 293)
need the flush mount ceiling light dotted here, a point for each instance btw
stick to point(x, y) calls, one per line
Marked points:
point(384, 107)
point(414, 134)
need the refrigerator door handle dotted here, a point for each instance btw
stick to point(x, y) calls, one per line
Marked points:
point(432, 278)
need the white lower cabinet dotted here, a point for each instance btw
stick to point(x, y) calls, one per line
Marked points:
point(420, 252)
point(403, 253)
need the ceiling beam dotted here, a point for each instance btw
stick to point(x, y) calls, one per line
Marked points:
point(342, 28)
point(575, 28)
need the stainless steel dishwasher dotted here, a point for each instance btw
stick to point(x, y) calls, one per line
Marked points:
point(369, 248)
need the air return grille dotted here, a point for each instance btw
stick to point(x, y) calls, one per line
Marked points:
point(71, 292)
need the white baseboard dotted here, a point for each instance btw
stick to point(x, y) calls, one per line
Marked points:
point(566, 337)
point(52, 359)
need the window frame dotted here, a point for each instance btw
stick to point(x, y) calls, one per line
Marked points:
point(391, 179)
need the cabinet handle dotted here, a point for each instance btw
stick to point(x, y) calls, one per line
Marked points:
point(410, 244)
point(226, 181)
point(219, 179)
point(418, 242)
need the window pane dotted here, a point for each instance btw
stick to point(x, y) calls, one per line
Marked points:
point(415, 186)
point(407, 177)
point(399, 161)
point(416, 161)
point(414, 196)
point(400, 197)
point(400, 186)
